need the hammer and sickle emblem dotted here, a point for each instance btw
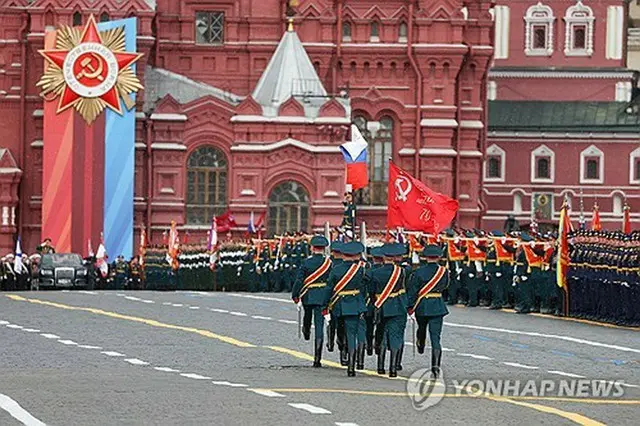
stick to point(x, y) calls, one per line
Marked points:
point(89, 71)
point(401, 193)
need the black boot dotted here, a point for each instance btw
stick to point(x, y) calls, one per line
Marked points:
point(360, 359)
point(381, 356)
point(344, 357)
point(436, 357)
point(351, 364)
point(331, 334)
point(399, 360)
point(393, 363)
point(318, 354)
point(420, 345)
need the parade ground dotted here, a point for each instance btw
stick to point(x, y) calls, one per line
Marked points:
point(107, 358)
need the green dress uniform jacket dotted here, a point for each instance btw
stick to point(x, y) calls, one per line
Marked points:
point(428, 306)
point(316, 295)
point(352, 298)
point(396, 303)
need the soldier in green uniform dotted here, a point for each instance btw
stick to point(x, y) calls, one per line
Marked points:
point(377, 261)
point(347, 289)
point(526, 273)
point(135, 280)
point(264, 268)
point(426, 305)
point(335, 327)
point(121, 273)
point(46, 247)
point(388, 283)
point(310, 292)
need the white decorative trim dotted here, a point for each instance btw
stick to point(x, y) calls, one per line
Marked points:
point(9, 170)
point(407, 151)
point(495, 151)
point(438, 122)
point(539, 15)
point(471, 154)
point(168, 117)
point(615, 28)
point(37, 144)
point(592, 151)
point(5, 215)
point(248, 192)
point(289, 120)
point(567, 136)
point(633, 157)
point(434, 152)
point(328, 149)
point(140, 145)
point(471, 124)
point(578, 15)
point(555, 74)
point(502, 20)
point(331, 194)
point(492, 90)
point(543, 151)
point(624, 90)
point(168, 146)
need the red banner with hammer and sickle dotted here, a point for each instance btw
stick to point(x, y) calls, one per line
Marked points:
point(415, 207)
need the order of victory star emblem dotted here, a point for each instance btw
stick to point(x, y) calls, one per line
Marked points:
point(90, 71)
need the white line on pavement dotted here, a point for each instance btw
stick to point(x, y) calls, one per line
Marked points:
point(110, 353)
point(194, 307)
point(346, 424)
point(2, 322)
point(251, 296)
point(548, 336)
point(195, 376)
point(89, 347)
point(474, 356)
point(147, 301)
point(177, 305)
point(288, 321)
point(31, 330)
point(17, 412)
point(310, 408)
point(222, 311)
point(15, 326)
point(167, 303)
point(87, 292)
point(629, 385)
point(49, 336)
point(266, 392)
point(238, 314)
point(166, 369)
point(232, 385)
point(132, 298)
point(261, 317)
point(515, 364)
point(562, 373)
point(68, 342)
point(120, 294)
point(136, 361)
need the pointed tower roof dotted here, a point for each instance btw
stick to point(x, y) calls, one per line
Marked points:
point(290, 73)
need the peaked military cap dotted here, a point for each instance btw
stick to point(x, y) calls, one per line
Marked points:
point(394, 249)
point(319, 241)
point(336, 246)
point(431, 250)
point(526, 237)
point(377, 252)
point(353, 248)
point(497, 233)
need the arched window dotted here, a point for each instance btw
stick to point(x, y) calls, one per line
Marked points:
point(495, 164)
point(77, 19)
point(379, 135)
point(206, 185)
point(542, 165)
point(578, 39)
point(402, 32)
point(493, 167)
point(288, 208)
point(346, 31)
point(539, 30)
point(104, 17)
point(517, 203)
point(592, 165)
point(618, 202)
point(375, 32)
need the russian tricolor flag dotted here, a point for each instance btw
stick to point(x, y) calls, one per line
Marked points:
point(355, 155)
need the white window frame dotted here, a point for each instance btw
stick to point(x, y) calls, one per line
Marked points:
point(538, 14)
point(347, 38)
point(403, 38)
point(374, 38)
point(543, 151)
point(592, 151)
point(495, 151)
point(617, 203)
point(633, 158)
point(578, 15)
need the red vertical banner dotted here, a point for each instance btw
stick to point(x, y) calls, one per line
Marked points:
point(57, 170)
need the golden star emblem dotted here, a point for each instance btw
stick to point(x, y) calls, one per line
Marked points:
point(90, 70)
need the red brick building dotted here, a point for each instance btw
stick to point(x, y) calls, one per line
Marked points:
point(240, 113)
point(561, 114)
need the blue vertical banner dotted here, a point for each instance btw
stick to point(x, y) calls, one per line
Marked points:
point(119, 161)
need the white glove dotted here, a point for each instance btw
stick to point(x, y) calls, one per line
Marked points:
point(470, 275)
point(498, 274)
point(327, 318)
point(412, 317)
point(504, 240)
point(532, 243)
point(476, 241)
point(299, 306)
point(523, 278)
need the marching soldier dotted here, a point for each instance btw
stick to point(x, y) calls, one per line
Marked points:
point(336, 327)
point(310, 292)
point(121, 273)
point(377, 261)
point(388, 283)
point(347, 289)
point(426, 305)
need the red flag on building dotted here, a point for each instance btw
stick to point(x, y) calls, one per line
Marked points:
point(596, 225)
point(225, 222)
point(626, 219)
point(415, 207)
